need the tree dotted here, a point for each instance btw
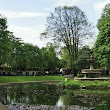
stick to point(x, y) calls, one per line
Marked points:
point(32, 56)
point(70, 26)
point(102, 45)
point(16, 51)
point(83, 55)
point(25, 55)
point(5, 41)
point(49, 59)
point(65, 57)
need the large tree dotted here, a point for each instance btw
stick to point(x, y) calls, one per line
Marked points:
point(32, 56)
point(68, 25)
point(65, 57)
point(5, 41)
point(83, 55)
point(49, 58)
point(102, 45)
point(25, 55)
point(14, 58)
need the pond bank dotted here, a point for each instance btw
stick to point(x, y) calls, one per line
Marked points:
point(85, 84)
point(51, 82)
point(69, 83)
point(45, 107)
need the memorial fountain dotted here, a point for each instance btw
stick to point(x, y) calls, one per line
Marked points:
point(91, 72)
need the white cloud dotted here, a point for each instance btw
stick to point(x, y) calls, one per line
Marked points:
point(16, 14)
point(68, 2)
point(28, 35)
point(98, 6)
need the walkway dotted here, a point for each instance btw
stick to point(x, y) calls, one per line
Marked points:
point(3, 107)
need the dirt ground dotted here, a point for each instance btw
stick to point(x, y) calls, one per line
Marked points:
point(2, 107)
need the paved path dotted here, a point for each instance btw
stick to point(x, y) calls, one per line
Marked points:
point(2, 107)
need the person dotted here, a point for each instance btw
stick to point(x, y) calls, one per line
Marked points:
point(61, 71)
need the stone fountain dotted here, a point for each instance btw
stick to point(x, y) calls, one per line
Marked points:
point(91, 72)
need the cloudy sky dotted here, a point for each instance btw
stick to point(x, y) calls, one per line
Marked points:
point(27, 18)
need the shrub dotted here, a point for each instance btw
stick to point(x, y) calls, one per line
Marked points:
point(80, 75)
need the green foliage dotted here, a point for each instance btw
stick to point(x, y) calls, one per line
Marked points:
point(81, 61)
point(104, 105)
point(87, 84)
point(31, 56)
point(68, 25)
point(83, 55)
point(5, 41)
point(65, 56)
point(102, 45)
point(49, 58)
point(70, 84)
point(80, 75)
point(63, 63)
point(16, 54)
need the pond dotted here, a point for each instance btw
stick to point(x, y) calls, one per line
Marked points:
point(46, 96)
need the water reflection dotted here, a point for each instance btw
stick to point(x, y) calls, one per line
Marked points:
point(104, 105)
point(46, 94)
point(60, 103)
point(29, 94)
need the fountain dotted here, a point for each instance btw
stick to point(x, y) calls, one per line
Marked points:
point(91, 72)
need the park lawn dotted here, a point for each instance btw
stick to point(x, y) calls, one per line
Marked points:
point(85, 84)
point(68, 84)
point(10, 79)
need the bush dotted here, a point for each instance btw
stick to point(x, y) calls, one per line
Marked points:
point(80, 75)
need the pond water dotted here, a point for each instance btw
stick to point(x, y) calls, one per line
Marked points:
point(45, 96)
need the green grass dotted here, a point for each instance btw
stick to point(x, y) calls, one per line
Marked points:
point(68, 84)
point(87, 84)
point(8, 79)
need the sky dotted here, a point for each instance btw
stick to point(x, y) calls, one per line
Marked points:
point(27, 18)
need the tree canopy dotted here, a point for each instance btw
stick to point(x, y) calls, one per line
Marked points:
point(102, 45)
point(70, 26)
point(14, 53)
point(81, 62)
point(5, 41)
point(49, 58)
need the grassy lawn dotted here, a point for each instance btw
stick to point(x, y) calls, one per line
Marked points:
point(8, 79)
point(87, 84)
point(68, 84)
